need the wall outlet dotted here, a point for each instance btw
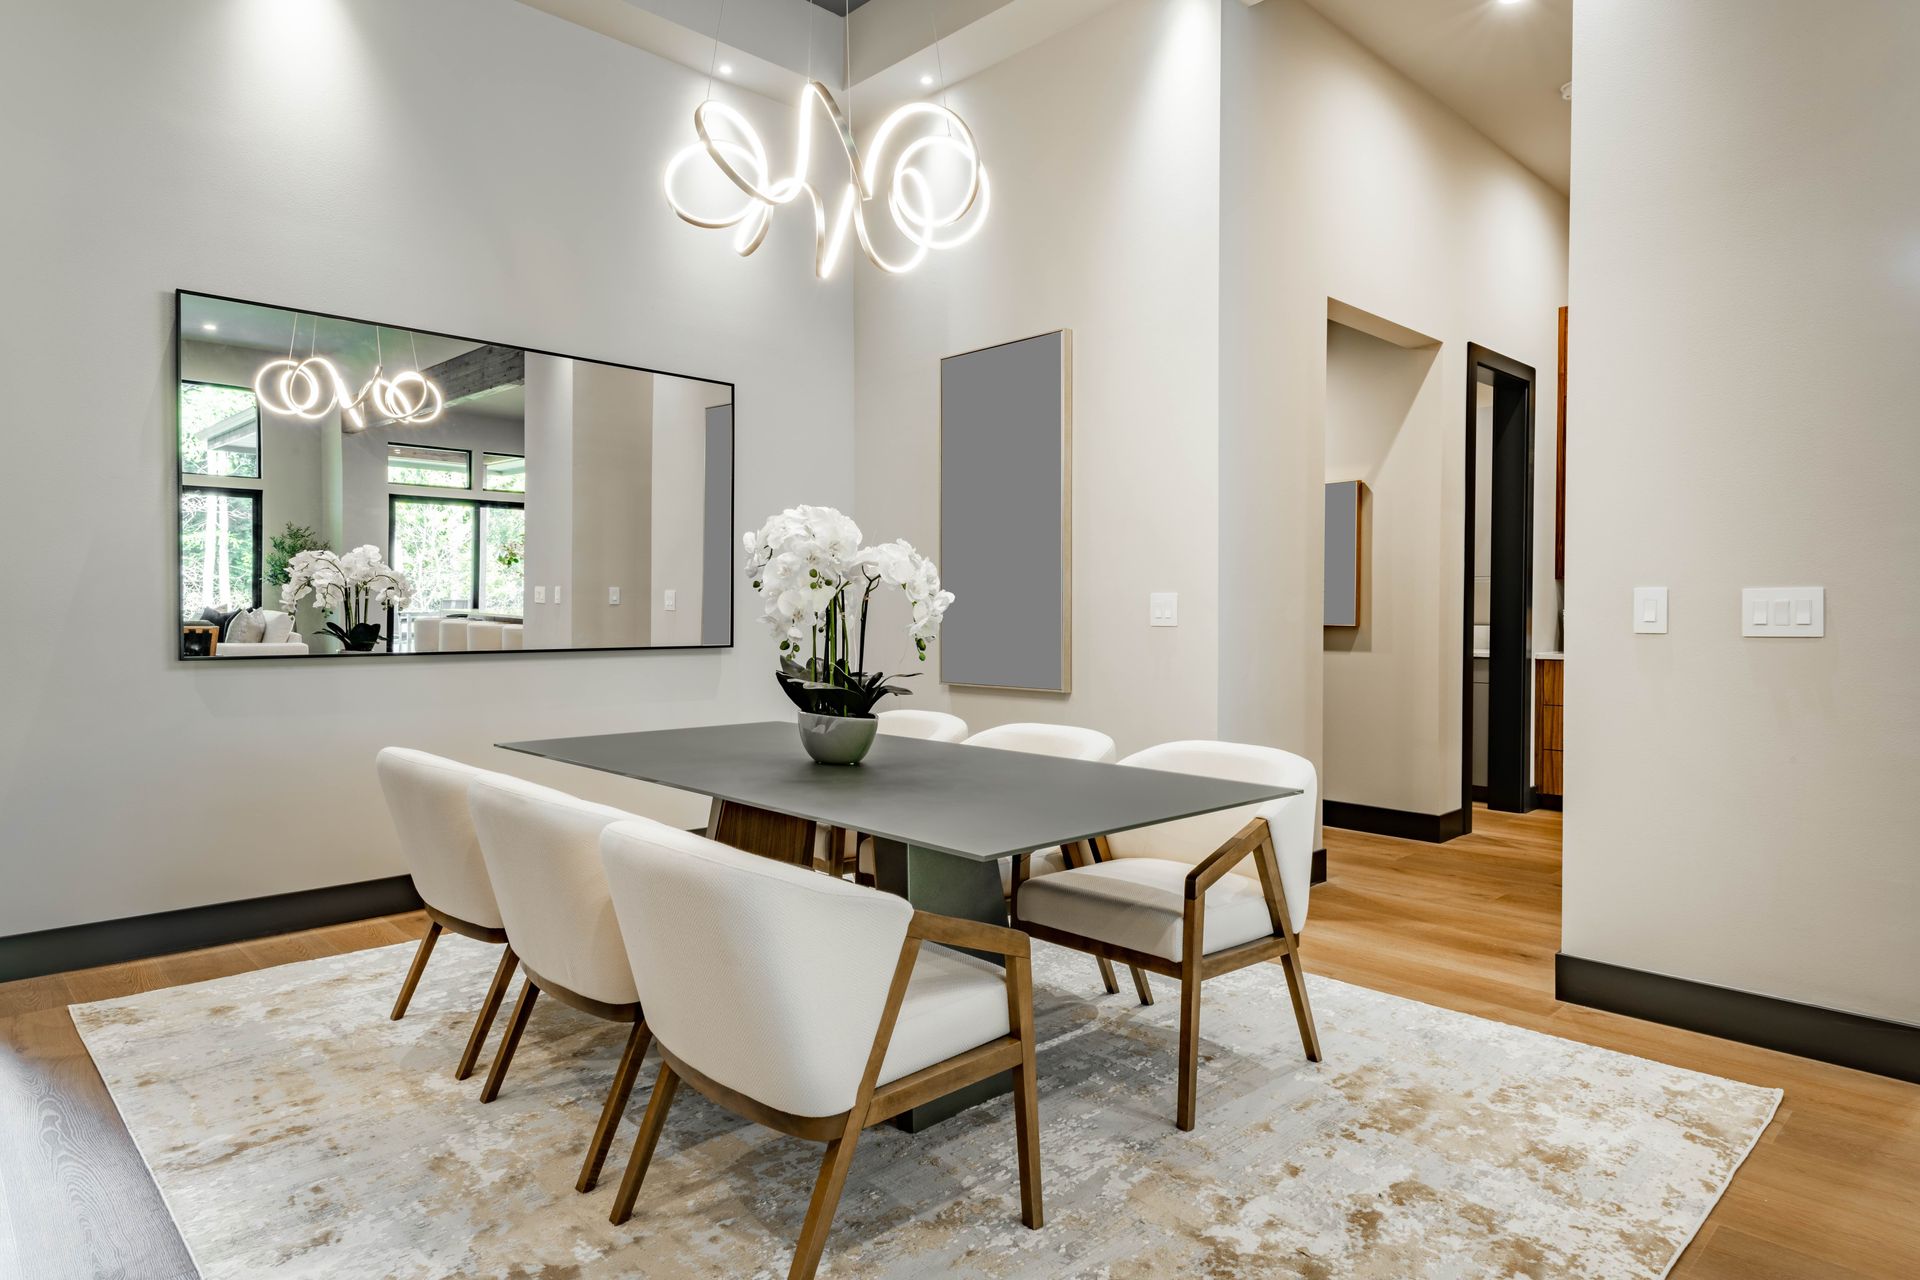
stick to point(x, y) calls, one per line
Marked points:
point(613, 595)
point(1163, 609)
point(1780, 612)
point(668, 603)
point(1650, 611)
point(539, 595)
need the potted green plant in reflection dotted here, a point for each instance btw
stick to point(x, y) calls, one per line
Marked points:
point(359, 584)
point(817, 584)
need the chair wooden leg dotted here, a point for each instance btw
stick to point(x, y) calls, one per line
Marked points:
point(826, 1199)
point(1140, 986)
point(1026, 1095)
point(616, 1105)
point(1302, 1011)
point(664, 1087)
point(490, 1009)
point(1189, 1050)
point(522, 1009)
point(419, 967)
point(1107, 978)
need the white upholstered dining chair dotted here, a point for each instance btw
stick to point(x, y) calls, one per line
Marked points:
point(723, 945)
point(542, 849)
point(1196, 897)
point(934, 726)
point(427, 798)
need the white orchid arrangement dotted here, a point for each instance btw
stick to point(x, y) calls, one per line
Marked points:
point(817, 582)
point(359, 583)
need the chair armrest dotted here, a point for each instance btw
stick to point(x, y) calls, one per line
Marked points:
point(973, 934)
point(1221, 860)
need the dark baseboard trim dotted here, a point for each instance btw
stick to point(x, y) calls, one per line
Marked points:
point(82, 946)
point(1319, 867)
point(1541, 800)
point(1825, 1035)
point(1435, 828)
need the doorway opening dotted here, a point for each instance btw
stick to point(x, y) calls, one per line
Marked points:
point(1497, 680)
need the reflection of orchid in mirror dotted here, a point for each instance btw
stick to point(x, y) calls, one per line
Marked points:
point(358, 583)
point(512, 553)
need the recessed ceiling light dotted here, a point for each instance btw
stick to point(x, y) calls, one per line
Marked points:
point(926, 80)
point(210, 326)
point(726, 68)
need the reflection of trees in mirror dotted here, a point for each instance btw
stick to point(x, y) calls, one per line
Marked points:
point(504, 530)
point(203, 407)
point(216, 550)
point(433, 545)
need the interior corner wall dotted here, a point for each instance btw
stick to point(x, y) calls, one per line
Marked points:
point(131, 782)
point(1342, 180)
point(1388, 425)
point(1101, 142)
point(1745, 308)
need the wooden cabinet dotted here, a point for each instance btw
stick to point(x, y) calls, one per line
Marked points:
point(1548, 685)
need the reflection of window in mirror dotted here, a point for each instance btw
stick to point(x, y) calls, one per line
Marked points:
point(219, 431)
point(424, 465)
point(503, 473)
point(219, 550)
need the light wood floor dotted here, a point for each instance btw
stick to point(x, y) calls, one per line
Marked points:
point(1832, 1190)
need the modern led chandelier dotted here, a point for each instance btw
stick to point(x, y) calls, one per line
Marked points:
point(729, 141)
point(308, 388)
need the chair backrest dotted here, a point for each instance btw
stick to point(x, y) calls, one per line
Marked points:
point(727, 949)
point(935, 726)
point(543, 851)
point(427, 796)
point(1192, 839)
point(1067, 741)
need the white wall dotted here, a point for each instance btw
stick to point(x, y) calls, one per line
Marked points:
point(231, 146)
point(679, 505)
point(1388, 425)
point(1101, 146)
point(1342, 180)
point(1744, 316)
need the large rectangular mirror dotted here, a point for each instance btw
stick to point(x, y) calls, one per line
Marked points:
point(354, 489)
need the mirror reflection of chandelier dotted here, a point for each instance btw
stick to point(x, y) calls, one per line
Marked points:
point(909, 185)
point(312, 387)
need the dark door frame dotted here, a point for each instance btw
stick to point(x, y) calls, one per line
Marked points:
point(1510, 669)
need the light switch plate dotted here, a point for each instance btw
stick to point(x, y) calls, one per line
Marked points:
point(1163, 609)
point(556, 595)
point(539, 595)
point(1650, 611)
point(1778, 612)
point(613, 595)
point(668, 604)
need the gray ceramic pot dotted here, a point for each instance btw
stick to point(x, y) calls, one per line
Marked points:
point(837, 739)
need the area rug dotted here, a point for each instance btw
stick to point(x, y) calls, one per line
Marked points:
point(295, 1131)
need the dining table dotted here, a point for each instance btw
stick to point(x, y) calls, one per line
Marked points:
point(941, 815)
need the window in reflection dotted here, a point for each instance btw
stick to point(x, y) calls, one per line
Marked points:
point(219, 431)
point(433, 544)
point(504, 473)
point(219, 550)
point(503, 549)
point(423, 465)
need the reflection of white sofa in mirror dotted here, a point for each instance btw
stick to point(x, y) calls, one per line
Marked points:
point(262, 633)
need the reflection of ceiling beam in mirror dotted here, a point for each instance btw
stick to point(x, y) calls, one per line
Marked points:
point(479, 372)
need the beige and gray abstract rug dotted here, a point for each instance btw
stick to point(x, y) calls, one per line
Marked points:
point(295, 1131)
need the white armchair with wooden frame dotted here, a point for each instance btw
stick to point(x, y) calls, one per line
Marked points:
point(723, 945)
point(1194, 898)
point(542, 849)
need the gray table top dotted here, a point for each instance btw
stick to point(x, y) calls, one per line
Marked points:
point(973, 802)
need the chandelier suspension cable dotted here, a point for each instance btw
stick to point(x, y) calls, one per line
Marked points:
point(719, 22)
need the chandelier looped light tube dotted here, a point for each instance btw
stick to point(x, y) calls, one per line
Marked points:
point(729, 141)
point(308, 388)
